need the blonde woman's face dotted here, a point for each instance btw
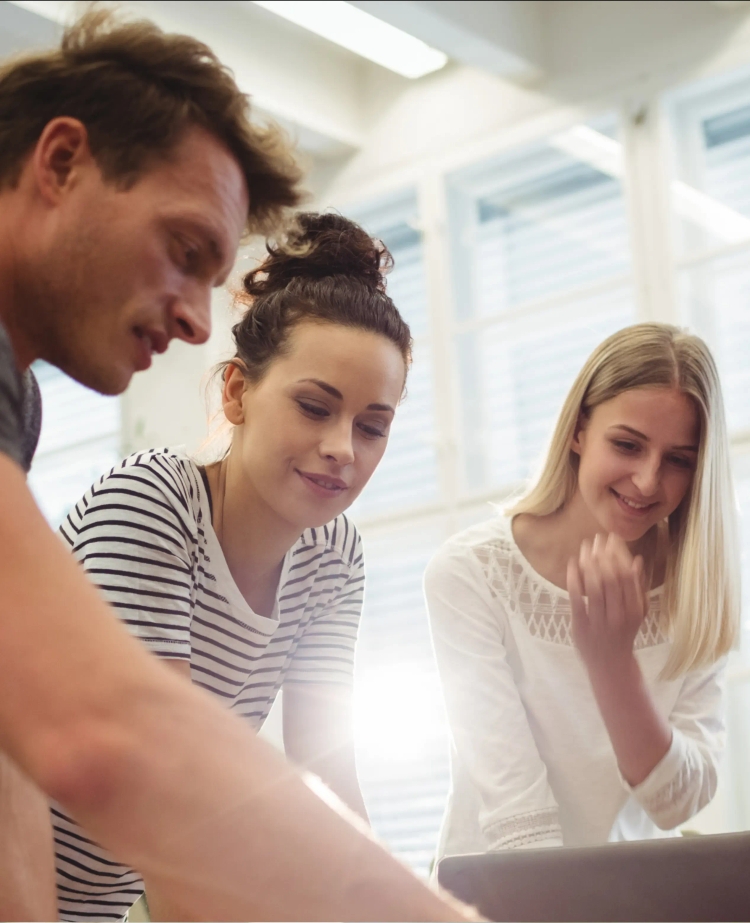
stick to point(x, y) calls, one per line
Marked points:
point(638, 454)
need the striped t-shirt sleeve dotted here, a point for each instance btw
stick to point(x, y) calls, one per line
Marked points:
point(132, 534)
point(325, 653)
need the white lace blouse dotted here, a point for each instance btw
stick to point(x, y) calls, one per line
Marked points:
point(532, 763)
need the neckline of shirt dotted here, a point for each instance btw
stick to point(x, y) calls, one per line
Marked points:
point(533, 574)
point(266, 624)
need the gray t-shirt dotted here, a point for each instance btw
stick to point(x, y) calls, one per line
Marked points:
point(20, 407)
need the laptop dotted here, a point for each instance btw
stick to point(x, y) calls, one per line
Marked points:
point(680, 878)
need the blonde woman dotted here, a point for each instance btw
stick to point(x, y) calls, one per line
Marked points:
point(581, 637)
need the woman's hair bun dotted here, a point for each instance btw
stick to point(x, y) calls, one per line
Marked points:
point(320, 245)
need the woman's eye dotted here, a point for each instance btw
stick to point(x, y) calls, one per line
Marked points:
point(372, 431)
point(625, 445)
point(313, 409)
point(681, 461)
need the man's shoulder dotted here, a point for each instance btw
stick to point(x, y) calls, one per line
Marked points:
point(11, 402)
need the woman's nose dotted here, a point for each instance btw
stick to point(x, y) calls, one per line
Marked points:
point(646, 477)
point(337, 445)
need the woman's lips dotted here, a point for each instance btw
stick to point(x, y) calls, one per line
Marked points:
point(323, 485)
point(632, 507)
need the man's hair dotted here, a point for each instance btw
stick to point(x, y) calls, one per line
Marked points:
point(137, 89)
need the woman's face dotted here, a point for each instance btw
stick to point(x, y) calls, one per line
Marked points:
point(637, 455)
point(312, 431)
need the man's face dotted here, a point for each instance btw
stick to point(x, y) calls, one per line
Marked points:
point(120, 272)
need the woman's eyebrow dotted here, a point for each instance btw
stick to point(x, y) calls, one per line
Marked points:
point(334, 392)
point(635, 432)
point(324, 386)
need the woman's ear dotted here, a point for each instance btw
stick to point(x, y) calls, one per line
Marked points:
point(576, 441)
point(232, 392)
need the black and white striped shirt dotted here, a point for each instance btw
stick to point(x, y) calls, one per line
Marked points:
point(143, 533)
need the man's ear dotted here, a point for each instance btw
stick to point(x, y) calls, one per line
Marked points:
point(235, 384)
point(59, 156)
point(578, 432)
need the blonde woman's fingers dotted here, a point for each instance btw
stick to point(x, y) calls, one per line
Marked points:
point(639, 570)
point(619, 551)
point(620, 566)
point(633, 610)
point(592, 580)
point(578, 609)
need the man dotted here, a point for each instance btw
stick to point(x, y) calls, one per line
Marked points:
point(128, 172)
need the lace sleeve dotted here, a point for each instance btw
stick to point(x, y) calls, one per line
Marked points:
point(685, 780)
point(534, 829)
point(489, 726)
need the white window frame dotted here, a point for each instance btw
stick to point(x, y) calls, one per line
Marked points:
point(644, 132)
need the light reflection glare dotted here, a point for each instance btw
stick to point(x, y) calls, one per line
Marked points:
point(398, 713)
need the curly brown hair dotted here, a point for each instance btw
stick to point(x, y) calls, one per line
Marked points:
point(137, 89)
point(327, 270)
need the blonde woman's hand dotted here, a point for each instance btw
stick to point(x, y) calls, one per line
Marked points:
point(608, 601)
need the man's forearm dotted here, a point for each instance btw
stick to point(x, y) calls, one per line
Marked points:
point(159, 773)
point(241, 836)
point(27, 858)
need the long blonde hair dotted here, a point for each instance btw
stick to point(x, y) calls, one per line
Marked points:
point(702, 587)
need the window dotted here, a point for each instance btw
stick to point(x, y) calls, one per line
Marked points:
point(711, 156)
point(80, 440)
point(401, 736)
point(711, 213)
point(400, 727)
point(710, 202)
point(542, 276)
point(407, 476)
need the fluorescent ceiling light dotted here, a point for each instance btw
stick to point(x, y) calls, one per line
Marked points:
point(61, 11)
point(605, 154)
point(365, 35)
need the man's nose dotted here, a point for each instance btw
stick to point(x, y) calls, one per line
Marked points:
point(190, 316)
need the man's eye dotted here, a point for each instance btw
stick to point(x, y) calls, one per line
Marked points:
point(186, 254)
point(192, 258)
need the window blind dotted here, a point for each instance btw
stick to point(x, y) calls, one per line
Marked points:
point(710, 133)
point(401, 736)
point(543, 276)
point(407, 476)
point(715, 293)
point(515, 376)
point(80, 440)
point(401, 731)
